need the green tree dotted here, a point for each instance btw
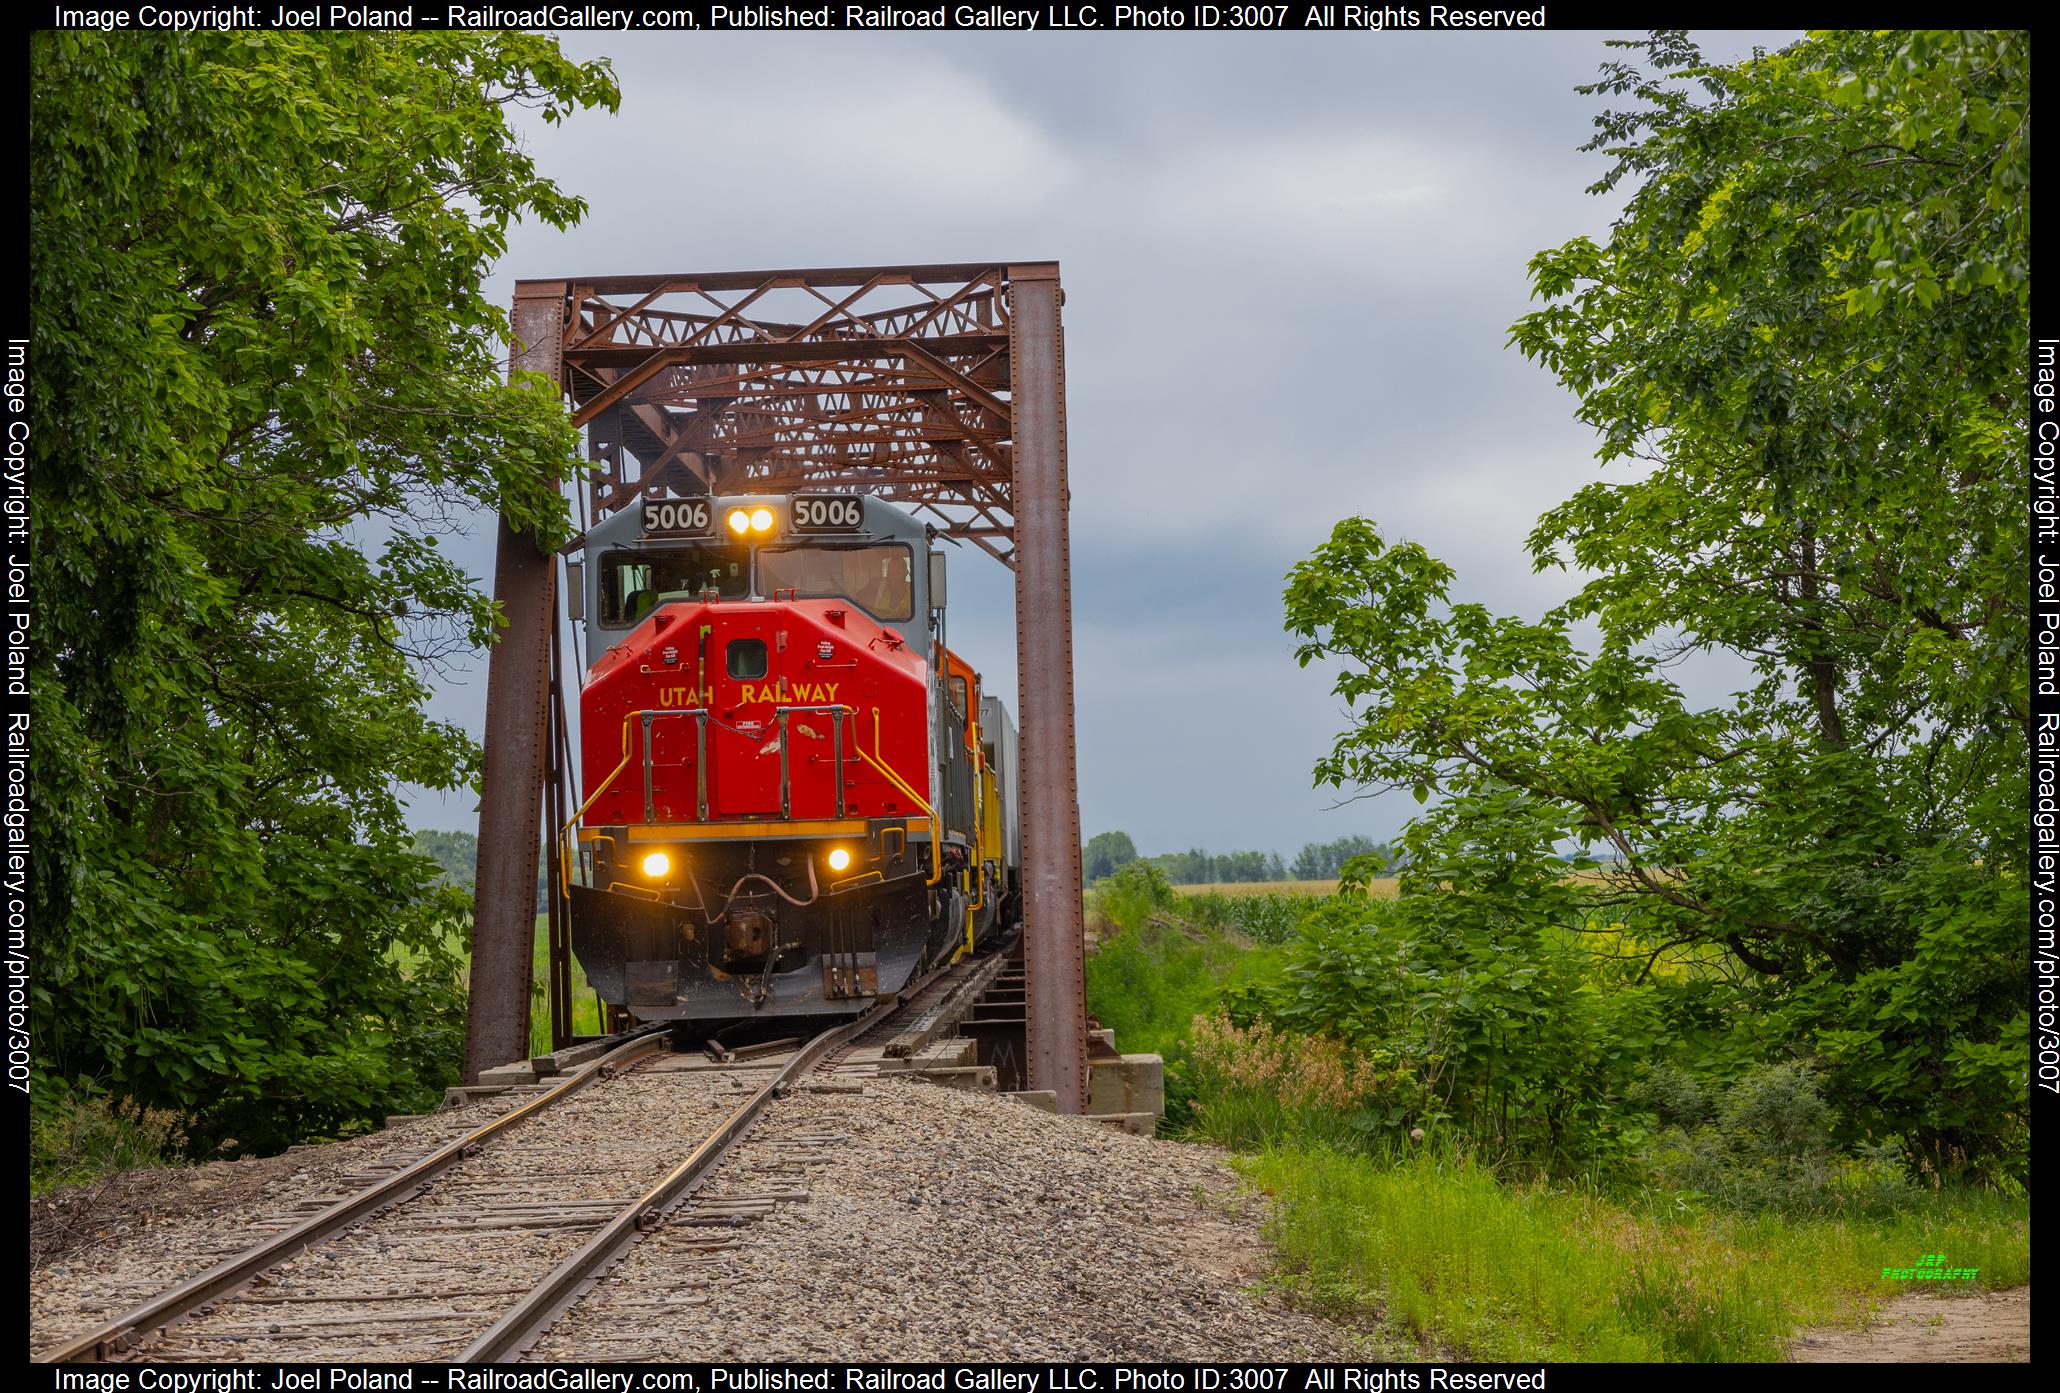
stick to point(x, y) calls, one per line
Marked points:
point(1806, 337)
point(1105, 854)
point(1245, 866)
point(1191, 867)
point(263, 375)
point(455, 853)
point(1327, 860)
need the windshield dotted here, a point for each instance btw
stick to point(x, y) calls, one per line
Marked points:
point(878, 579)
point(633, 581)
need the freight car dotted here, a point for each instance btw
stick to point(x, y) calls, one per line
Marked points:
point(797, 796)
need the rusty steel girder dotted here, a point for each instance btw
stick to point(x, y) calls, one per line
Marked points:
point(511, 780)
point(890, 380)
point(938, 387)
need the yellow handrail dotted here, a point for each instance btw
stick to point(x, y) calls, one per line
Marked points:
point(936, 830)
point(936, 827)
point(565, 832)
point(976, 902)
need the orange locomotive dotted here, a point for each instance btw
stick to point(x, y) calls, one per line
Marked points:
point(797, 797)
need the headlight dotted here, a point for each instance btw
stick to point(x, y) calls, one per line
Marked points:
point(740, 521)
point(657, 865)
point(838, 858)
point(761, 519)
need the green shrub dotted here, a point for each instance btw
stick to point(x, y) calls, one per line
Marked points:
point(1133, 894)
point(1677, 1097)
point(1523, 1036)
point(1768, 1143)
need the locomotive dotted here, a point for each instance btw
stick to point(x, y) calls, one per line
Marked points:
point(798, 798)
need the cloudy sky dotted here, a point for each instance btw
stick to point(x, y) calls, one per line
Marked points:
point(1291, 262)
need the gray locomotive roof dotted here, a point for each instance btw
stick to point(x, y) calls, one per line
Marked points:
point(623, 530)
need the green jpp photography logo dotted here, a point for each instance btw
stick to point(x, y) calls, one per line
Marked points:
point(1930, 1268)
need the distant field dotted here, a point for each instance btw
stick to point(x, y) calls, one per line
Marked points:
point(1382, 889)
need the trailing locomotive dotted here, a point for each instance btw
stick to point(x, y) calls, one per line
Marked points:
point(797, 797)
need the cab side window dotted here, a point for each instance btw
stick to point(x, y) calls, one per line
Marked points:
point(626, 596)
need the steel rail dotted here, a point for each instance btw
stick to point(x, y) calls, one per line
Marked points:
point(125, 1331)
point(518, 1329)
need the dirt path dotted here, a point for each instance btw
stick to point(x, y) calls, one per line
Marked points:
point(1982, 1327)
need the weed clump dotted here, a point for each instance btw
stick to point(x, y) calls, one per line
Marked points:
point(77, 1136)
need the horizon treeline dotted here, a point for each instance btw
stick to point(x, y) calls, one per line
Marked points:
point(1108, 852)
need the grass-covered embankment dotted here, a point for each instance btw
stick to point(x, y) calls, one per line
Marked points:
point(1454, 1260)
point(586, 1006)
point(1605, 1170)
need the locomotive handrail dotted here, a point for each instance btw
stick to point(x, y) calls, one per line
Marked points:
point(701, 715)
point(836, 713)
point(936, 823)
point(565, 832)
point(700, 770)
point(979, 827)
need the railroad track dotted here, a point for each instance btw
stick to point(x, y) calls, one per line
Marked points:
point(473, 1250)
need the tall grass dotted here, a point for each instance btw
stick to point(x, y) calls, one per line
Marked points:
point(586, 1007)
point(1153, 971)
point(1256, 1087)
point(1460, 1263)
point(1271, 918)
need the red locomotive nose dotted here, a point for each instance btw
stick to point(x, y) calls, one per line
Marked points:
point(715, 711)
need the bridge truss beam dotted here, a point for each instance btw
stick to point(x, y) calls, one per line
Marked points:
point(938, 387)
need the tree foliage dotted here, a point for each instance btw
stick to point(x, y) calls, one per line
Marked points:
point(263, 375)
point(456, 854)
point(1327, 860)
point(1105, 854)
point(1198, 867)
point(1802, 344)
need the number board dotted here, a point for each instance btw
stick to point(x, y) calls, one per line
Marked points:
point(822, 512)
point(679, 517)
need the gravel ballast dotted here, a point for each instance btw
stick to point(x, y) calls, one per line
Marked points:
point(102, 1248)
point(947, 1225)
point(900, 1222)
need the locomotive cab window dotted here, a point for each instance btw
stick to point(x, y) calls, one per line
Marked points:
point(879, 579)
point(746, 658)
point(633, 583)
